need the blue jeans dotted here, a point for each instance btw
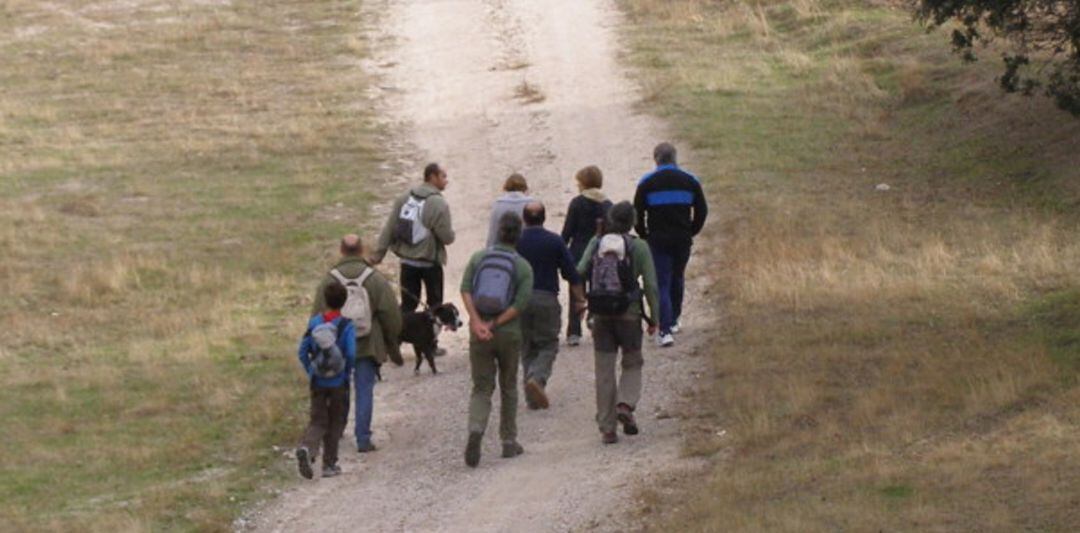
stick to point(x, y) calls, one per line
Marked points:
point(364, 380)
point(670, 259)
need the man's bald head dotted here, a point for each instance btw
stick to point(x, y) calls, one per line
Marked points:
point(534, 214)
point(351, 245)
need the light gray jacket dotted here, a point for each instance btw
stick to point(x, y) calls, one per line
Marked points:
point(511, 202)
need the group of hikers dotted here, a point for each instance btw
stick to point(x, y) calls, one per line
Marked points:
point(510, 293)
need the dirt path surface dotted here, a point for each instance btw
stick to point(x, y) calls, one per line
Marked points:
point(490, 87)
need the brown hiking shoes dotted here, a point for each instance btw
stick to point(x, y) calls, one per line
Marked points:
point(625, 415)
point(535, 397)
point(609, 438)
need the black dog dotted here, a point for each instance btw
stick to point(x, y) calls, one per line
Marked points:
point(421, 329)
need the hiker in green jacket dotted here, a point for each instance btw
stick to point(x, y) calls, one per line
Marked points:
point(418, 231)
point(374, 348)
point(615, 303)
point(494, 303)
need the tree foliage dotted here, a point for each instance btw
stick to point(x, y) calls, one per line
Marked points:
point(1043, 35)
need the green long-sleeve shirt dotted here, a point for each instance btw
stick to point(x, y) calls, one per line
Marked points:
point(642, 262)
point(523, 282)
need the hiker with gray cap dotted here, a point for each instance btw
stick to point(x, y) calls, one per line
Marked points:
point(612, 266)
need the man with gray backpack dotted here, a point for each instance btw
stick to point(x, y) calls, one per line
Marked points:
point(327, 354)
point(612, 266)
point(371, 306)
point(495, 290)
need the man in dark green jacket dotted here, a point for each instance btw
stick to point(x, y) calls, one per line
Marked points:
point(495, 346)
point(373, 349)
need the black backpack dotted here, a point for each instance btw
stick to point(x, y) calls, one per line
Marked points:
point(612, 286)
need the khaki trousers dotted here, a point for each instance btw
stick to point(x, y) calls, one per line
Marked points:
point(496, 359)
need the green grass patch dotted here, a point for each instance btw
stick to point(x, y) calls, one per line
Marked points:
point(171, 184)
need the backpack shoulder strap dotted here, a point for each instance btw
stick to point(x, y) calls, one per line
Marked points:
point(368, 271)
point(339, 276)
point(342, 322)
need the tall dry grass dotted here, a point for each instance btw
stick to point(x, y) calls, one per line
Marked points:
point(172, 177)
point(898, 359)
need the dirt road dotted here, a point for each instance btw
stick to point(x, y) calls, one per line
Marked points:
point(490, 87)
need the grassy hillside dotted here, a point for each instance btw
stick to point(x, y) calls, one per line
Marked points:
point(900, 359)
point(172, 176)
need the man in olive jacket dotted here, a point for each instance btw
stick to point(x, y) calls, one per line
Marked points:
point(380, 344)
point(422, 261)
point(495, 345)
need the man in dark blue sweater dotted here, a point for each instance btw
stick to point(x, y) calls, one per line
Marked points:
point(540, 323)
point(671, 211)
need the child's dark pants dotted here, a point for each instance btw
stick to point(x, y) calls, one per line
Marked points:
point(328, 412)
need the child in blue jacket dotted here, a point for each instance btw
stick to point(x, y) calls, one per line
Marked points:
point(328, 369)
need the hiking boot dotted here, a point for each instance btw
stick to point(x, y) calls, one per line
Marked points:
point(366, 448)
point(331, 471)
point(665, 340)
point(625, 415)
point(676, 328)
point(303, 462)
point(472, 449)
point(512, 449)
point(573, 340)
point(609, 437)
point(534, 394)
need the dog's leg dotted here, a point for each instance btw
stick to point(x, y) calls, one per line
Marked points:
point(419, 360)
point(430, 353)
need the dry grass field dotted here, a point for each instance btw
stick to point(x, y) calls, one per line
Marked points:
point(172, 176)
point(901, 359)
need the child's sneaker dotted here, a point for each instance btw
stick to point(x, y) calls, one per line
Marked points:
point(303, 461)
point(331, 471)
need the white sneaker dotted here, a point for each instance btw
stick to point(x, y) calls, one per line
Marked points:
point(573, 340)
point(665, 340)
point(676, 328)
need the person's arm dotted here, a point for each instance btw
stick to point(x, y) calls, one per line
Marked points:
point(570, 224)
point(302, 353)
point(586, 256)
point(318, 304)
point(701, 209)
point(349, 335)
point(639, 206)
point(479, 328)
point(567, 268)
point(389, 318)
point(386, 236)
point(440, 221)
point(643, 264)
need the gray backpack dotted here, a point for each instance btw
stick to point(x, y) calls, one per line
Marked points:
point(493, 287)
point(326, 356)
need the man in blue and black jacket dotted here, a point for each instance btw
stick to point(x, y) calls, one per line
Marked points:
point(671, 211)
